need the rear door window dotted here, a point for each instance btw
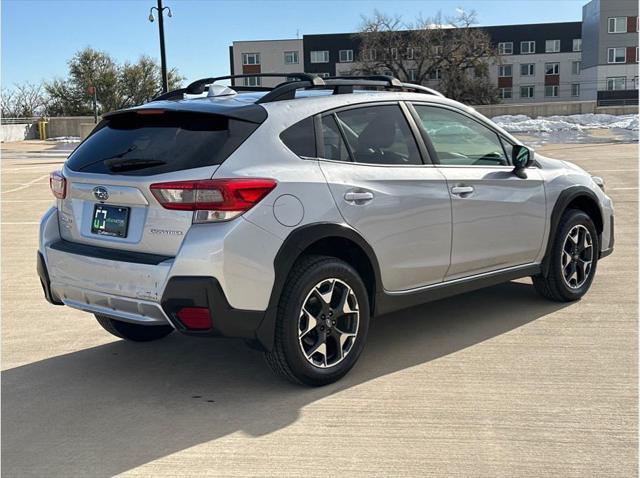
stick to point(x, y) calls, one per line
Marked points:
point(379, 135)
point(334, 146)
point(147, 144)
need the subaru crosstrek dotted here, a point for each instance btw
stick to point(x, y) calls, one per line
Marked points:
point(290, 217)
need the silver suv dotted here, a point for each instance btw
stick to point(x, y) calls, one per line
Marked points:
point(291, 216)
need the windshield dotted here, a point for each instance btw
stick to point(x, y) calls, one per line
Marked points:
point(133, 144)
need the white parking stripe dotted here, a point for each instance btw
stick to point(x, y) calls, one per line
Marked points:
point(20, 223)
point(25, 185)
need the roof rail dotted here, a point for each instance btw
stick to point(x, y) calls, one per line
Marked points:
point(200, 86)
point(421, 89)
point(344, 85)
point(287, 90)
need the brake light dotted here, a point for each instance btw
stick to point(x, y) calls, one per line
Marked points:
point(213, 199)
point(58, 184)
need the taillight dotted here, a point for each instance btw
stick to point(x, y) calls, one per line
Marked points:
point(213, 199)
point(58, 184)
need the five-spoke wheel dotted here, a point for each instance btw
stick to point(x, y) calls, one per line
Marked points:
point(570, 264)
point(577, 256)
point(322, 323)
point(328, 323)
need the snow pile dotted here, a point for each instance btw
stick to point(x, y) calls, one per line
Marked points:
point(65, 139)
point(550, 124)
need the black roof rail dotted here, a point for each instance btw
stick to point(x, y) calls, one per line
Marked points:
point(197, 87)
point(287, 90)
point(344, 85)
point(200, 86)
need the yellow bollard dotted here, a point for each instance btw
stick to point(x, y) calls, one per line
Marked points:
point(42, 129)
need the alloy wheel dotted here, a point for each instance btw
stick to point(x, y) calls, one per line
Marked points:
point(328, 323)
point(577, 257)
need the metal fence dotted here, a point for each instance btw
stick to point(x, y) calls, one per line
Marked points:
point(33, 119)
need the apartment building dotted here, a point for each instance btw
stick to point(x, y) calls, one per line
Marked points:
point(594, 59)
point(268, 56)
point(610, 57)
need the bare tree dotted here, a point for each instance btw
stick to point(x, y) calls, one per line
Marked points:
point(24, 100)
point(453, 52)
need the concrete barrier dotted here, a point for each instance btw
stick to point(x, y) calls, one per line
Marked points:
point(67, 125)
point(534, 110)
point(85, 129)
point(18, 132)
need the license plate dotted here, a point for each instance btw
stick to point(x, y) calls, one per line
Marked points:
point(110, 220)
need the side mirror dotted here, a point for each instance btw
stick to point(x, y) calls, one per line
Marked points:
point(522, 158)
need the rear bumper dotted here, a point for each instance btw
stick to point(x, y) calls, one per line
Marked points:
point(180, 291)
point(215, 268)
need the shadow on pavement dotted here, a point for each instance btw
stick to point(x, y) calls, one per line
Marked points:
point(108, 409)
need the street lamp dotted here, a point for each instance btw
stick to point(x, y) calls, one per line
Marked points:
point(163, 58)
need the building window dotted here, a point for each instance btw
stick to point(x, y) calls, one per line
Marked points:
point(435, 74)
point(368, 55)
point(635, 83)
point(437, 50)
point(251, 59)
point(618, 25)
point(617, 83)
point(575, 89)
point(506, 93)
point(321, 56)
point(616, 55)
point(637, 59)
point(577, 44)
point(527, 47)
point(409, 53)
point(505, 48)
point(526, 91)
point(575, 67)
point(505, 70)
point(413, 74)
point(552, 68)
point(345, 56)
point(552, 46)
point(252, 81)
point(290, 57)
point(551, 91)
point(528, 69)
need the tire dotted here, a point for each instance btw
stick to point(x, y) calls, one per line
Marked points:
point(133, 332)
point(554, 285)
point(320, 283)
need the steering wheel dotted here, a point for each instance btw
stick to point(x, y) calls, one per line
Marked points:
point(495, 157)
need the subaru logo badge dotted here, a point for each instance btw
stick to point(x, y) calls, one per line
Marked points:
point(100, 193)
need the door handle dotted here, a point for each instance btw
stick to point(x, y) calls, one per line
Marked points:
point(461, 190)
point(358, 196)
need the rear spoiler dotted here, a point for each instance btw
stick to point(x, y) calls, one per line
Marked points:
point(251, 113)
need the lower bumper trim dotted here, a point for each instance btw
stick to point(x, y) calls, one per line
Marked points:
point(45, 281)
point(201, 291)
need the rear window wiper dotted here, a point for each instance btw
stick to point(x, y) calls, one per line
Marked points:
point(132, 164)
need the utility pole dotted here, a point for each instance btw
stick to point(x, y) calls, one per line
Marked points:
point(93, 91)
point(163, 56)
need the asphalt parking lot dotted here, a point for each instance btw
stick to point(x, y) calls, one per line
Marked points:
point(498, 382)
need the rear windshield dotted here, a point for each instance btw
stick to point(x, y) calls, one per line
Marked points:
point(133, 144)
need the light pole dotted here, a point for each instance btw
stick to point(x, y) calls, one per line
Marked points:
point(163, 58)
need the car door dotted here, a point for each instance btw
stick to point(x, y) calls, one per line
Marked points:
point(498, 217)
point(375, 171)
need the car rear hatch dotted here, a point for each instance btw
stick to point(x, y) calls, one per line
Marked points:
point(108, 200)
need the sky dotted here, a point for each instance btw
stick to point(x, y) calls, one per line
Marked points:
point(40, 36)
